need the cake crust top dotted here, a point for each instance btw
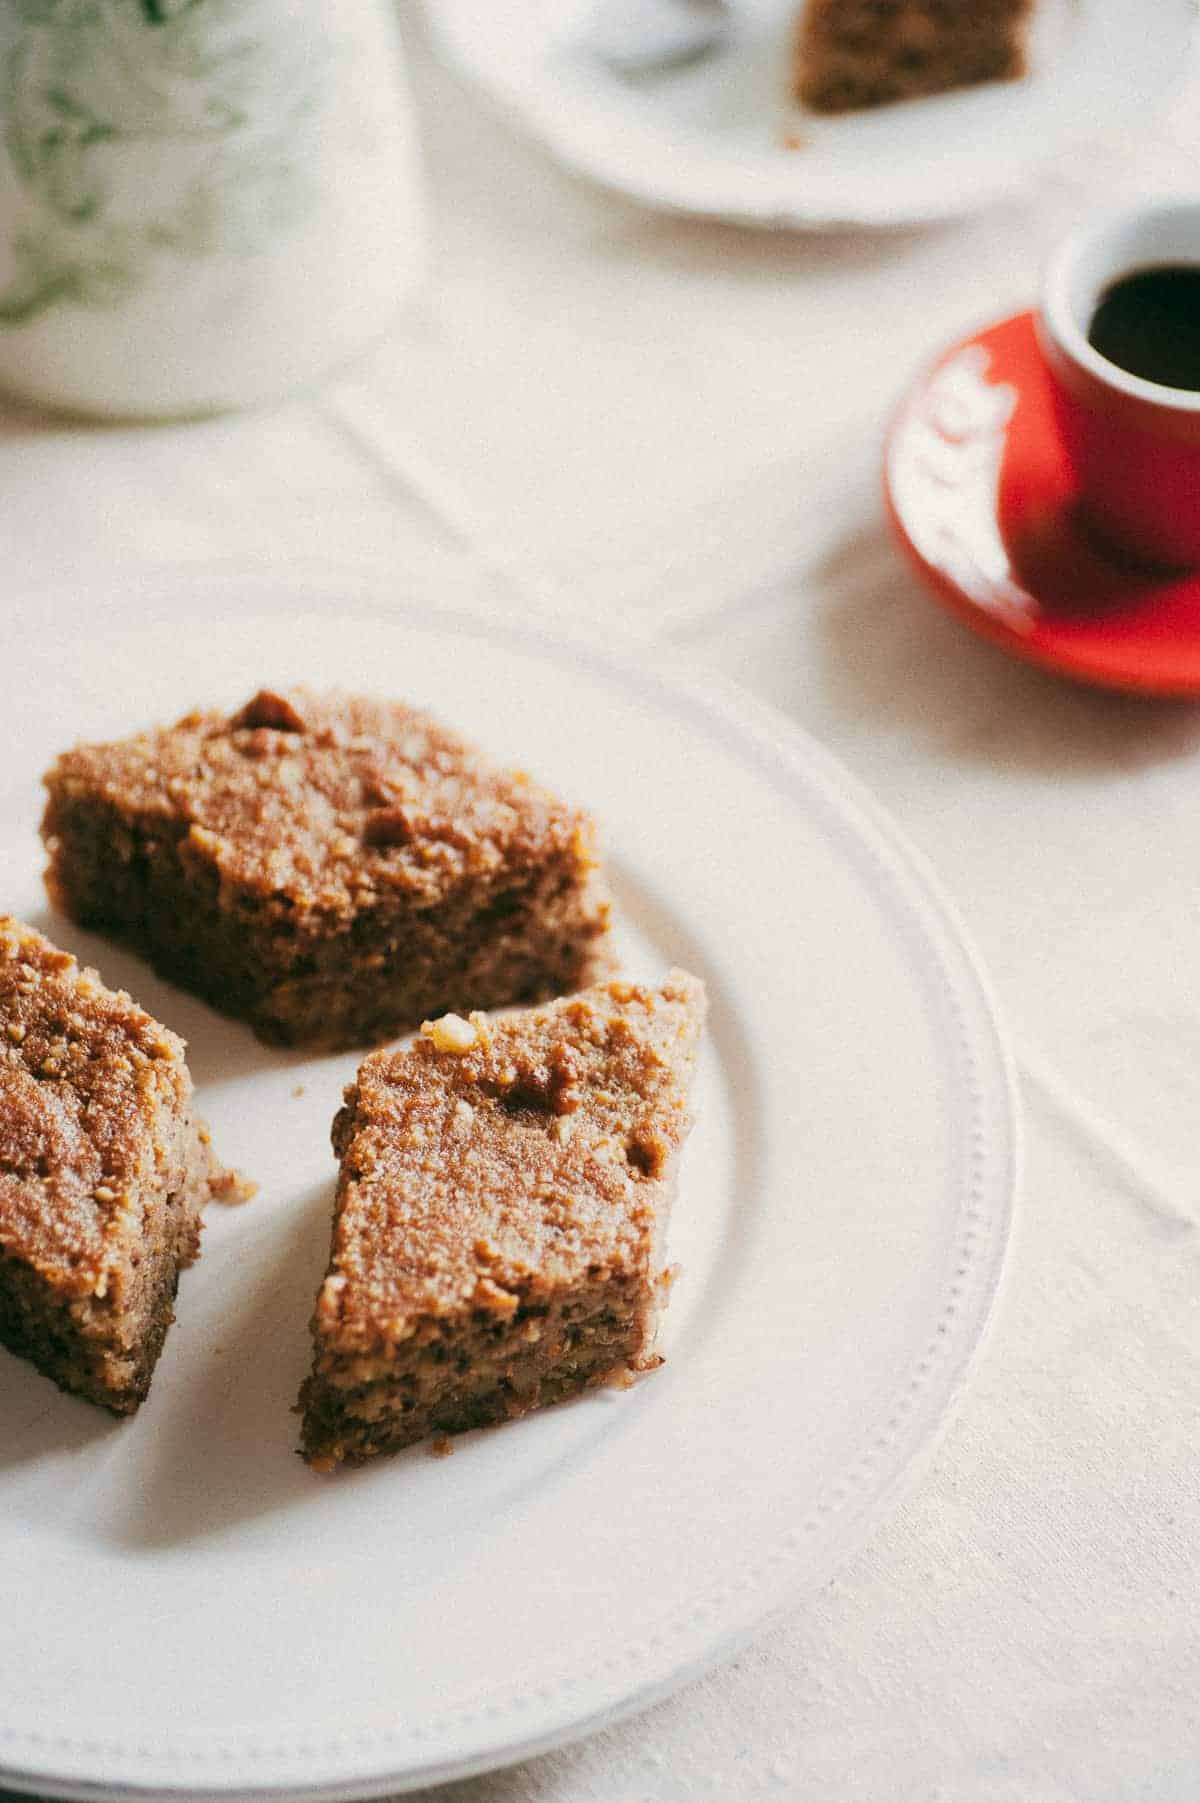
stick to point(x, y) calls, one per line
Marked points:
point(498, 1158)
point(84, 1073)
point(326, 800)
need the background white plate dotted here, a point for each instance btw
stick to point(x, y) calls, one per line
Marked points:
point(711, 139)
point(185, 1605)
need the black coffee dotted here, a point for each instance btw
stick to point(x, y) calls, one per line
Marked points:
point(1149, 324)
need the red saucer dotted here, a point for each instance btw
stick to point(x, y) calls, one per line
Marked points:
point(983, 502)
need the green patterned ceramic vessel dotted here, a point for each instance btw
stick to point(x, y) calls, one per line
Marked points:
point(203, 203)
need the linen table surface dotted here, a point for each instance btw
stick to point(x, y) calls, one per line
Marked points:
point(675, 427)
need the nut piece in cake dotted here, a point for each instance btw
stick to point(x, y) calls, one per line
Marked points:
point(860, 53)
point(330, 868)
point(104, 1169)
point(500, 1220)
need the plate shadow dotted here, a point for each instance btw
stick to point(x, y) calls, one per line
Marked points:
point(222, 1449)
point(37, 1418)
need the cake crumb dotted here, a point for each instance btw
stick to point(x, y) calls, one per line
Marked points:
point(451, 1033)
point(298, 1091)
point(442, 1447)
point(271, 710)
point(623, 1378)
point(232, 1189)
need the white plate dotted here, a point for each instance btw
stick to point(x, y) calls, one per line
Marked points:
point(186, 1606)
point(712, 139)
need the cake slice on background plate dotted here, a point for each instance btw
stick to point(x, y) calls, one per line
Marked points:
point(104, 1169)
point(498, 1235)
point(863, 53)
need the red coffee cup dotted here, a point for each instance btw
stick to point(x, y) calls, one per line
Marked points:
point(1134, 445)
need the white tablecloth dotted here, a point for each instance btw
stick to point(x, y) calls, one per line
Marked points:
point(676, 426)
